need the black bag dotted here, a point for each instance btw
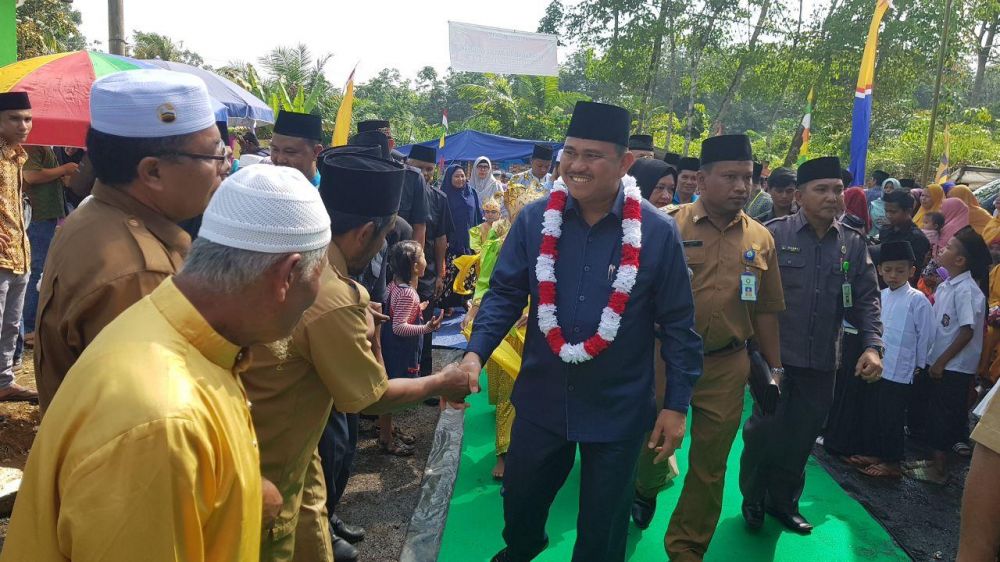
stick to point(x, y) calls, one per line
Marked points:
point(762, 386)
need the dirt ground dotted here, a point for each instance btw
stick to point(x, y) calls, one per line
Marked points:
point(18, 420)
point(381, 494)
point(384, 490)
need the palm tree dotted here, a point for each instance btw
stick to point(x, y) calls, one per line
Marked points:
point(292, 79)
point(521, 106)
point(155, 46)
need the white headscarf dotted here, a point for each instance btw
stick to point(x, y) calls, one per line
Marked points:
point(488, 186)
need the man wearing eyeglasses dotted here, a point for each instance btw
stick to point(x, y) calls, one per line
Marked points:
point(158, 157)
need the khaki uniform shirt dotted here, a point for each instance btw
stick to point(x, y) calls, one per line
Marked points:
point(106, 256)
point(149, 452)
point(16, 256)
point(328, 361)
point(717, 259)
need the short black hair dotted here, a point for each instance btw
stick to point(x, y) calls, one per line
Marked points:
point(781, 178)
point(901, 198)
point(847, 177)
point(937, 219)
point(403, 256)
point(116, 159)
point(342, 223)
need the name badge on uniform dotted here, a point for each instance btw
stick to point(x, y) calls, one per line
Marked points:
point(748, 287)
point(848, 293)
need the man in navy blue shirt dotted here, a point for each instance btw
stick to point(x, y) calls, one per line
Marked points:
point(604, 404)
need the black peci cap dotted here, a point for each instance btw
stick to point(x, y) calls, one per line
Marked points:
point(600, 122)
point(362, 185)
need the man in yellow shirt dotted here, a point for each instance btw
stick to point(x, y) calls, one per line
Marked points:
point(149, 453)
point(328, 361)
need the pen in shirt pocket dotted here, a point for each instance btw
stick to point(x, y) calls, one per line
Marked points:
point(611, 273)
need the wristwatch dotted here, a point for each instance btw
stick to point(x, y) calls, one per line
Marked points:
point(878, 349)
point(780, 371)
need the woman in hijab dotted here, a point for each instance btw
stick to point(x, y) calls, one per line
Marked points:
point(956, 217)
point(483, 182)
point(466, 212)
point(978, 217)
point(876, 206)
point(656, 180)
point(856, 204)
point(930, 202)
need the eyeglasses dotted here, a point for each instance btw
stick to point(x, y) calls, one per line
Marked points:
point(220, 159)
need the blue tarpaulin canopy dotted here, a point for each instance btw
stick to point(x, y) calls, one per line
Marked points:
point(469, 145)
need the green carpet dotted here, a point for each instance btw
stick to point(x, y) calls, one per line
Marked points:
point(844, 530)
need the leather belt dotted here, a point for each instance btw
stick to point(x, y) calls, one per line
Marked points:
point(734, 346)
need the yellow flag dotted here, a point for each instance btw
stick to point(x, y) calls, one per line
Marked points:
point(342, 128)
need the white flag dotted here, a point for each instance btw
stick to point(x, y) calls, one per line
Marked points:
point(477, 48)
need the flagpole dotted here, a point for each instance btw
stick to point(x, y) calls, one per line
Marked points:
point(937, 90)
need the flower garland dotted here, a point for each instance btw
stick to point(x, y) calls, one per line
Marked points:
point(628, 269)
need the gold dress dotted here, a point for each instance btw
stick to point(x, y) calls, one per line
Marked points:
point(505, 362)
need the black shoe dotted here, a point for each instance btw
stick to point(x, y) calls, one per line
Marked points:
point(753, 514)
point(343, 551)
point(793, 521)
point(643, 510)
point(505, 555)
point(350, 533)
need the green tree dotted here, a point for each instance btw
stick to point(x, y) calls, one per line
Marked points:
point(146, 45)
point(45, 27)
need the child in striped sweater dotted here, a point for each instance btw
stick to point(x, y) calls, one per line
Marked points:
point(402, 338)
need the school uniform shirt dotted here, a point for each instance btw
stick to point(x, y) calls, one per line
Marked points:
point(149, 452)
point(987, 431)
point(959, 302)
point(908, 327)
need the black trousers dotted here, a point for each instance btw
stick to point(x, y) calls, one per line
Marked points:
point(537, 465)
point(777, 447)
point(336, 452)
point(845, 424)
point(949, 410)
point(887, 416)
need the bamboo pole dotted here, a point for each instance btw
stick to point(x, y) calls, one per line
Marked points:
point(937, 90)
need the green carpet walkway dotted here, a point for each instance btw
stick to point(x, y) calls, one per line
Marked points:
point(844, 531)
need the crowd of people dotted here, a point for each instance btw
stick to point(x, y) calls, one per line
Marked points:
point(211, 318)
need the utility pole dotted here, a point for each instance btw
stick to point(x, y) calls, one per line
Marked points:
point(937, 90)
point(116, 27)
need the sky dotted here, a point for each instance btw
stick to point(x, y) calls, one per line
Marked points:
point(390, 34)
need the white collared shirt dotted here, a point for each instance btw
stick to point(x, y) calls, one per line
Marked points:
point(959, 302)
point(908, 328)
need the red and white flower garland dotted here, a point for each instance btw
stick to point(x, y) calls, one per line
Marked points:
point(628, 269)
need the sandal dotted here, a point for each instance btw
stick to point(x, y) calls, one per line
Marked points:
point(924, 463)
point(405, 438)
point(396, 449)
point(860, 461)
point(880, 470)
point(20, 394)
point(926, 474)
point(962, 449)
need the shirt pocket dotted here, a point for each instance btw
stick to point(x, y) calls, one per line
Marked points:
point(694, 254)
point(793, 269)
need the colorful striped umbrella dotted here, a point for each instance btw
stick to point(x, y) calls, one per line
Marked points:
point(59, 88)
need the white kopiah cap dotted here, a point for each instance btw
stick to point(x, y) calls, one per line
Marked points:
point(150, 104)
point(267, 209)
